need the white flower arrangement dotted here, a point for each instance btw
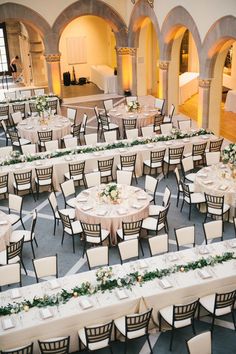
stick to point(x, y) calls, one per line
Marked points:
point(104, 274)
point(41, 104)
point(110, 193)
point(229, 154)
point(133, 106)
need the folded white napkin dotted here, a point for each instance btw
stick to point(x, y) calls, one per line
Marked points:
point(85, 303)
point(7, 323)
point(81, 199)
point(68, 158)
point(149, 145)
point(223, 187)
point(118, 114)
point(203, 250)
point(122, 211)
point(142, 197)
point(168, 142)
point(54, 284)
point(204, 137)
point(232, 243)
point(172, 257)
point(3, 222)
point(142, 264)
point(204, 274)
point(15, 294)
point(165, 284)
point(201, 174)
point(137, 206)
point(101, 212)
point(121, 293)
point(209, 181)
point(185, 140)
point(45, 313)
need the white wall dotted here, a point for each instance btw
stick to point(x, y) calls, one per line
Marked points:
point(99, 43)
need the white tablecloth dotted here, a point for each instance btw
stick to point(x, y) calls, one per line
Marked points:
point(29, 128)
point(133, 206)
point(60, 164)
point(230, 103)
point(103, 76)
point(188, 86)
point(29, 326)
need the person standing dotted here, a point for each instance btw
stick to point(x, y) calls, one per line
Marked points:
point(13, 66)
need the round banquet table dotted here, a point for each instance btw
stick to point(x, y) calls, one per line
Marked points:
point(28, 128)
point(145, 116)
point(91, 209)
point(217, 180)
point(5, 231)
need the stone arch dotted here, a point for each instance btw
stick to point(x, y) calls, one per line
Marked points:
point(141, 11)
point(94, 8)
point(223, 30)
point(9, 11)
point(176, 19)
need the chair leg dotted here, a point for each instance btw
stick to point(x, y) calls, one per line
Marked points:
point(189, 213)
point(73, 241)
point(182, 205)
point(233, 319)
point(32, 246)
point(22, 263)
point(213, 322)
point(22, 223)
point(62, 239)
point(54, 229)
point(149, 343)
point(193, 327)
point(141, 246)
point(177, 202)
point(36, 242)
point(171, 339)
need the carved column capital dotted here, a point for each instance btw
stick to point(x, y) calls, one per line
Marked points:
point(204, 83)
point(164, 64)
point(150, 2)
point(126, 51)
point(51, 58)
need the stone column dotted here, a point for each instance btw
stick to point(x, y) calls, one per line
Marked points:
point(204, 102)
point(54, 72)
point(163, 82)
point(127, 69)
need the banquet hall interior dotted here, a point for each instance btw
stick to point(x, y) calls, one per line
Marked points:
point(118, 176)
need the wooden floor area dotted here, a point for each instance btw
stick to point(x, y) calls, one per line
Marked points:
point(228, 119)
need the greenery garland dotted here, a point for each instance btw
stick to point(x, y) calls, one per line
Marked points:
point(15, 156)
point(32, 98)
point(106, 283)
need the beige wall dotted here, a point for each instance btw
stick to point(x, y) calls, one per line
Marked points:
point(99, 42)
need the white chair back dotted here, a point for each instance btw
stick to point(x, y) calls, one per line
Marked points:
point(108, 104)
point(131, 99)
point(25, 93)
point(91, 139)
point(200, 343)
point(51, 145)
point(28, 149)
point(212, 158)
point(187, 164)
point(110, 136)
point(185, 236)
point(97, 256)
point(159, 104)
point(150, 184)
point(16, 117)
point(71, 114)
point(10, 274)
point(166, 128)
point(10, 95)
point(15, 202)
point(68, 188)
point(124, 177)
point(93, 179)
point(213, 229)
point(53, 201)
point(5, 151)
point(158, 244)
point(184, 125)
point(147, 131)
point(128, 249)
point(132, 133)
point(39, 92)
point(71, 142)
point(45, 267)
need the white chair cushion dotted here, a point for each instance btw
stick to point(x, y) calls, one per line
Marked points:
point(13, 218)
point(167, 314)
point(131, 169)
point(151, 224)
point(92, 346)
point(3, 190)
point(171, 162)
point(75, 178)
point(190, 177)
point(44, 182)
point(120, 324)
point(197, 198)
point(22, 187)
point(76, 228)
point(154, 165)
point(155, 209)
point(209, 301)
point(226, 207)
point(131, 237)
point(166, 119)
point(71, 202)
point(24, 141)
point(111, 126)
point(18, 234)
point(104, 235)
point(191, 187)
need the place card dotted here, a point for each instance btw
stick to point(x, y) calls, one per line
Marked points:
point(209, 181)
point(223, 187)
point(204, 274)
point(45, 313)
point(121, 294)
point(118, 114)
point(137, 205)
point(15, 294)
point(142, 264)
point(165, 284)
point(7, 323)
point(38, 163)
point(85, 303)
point(172, 257)
point(29, 127)
point(54, 284)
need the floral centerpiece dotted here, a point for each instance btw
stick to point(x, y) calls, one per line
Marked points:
point(133, 106)
point(229, 154)
point(110, 193)
point(41, 104)
point(104, 274)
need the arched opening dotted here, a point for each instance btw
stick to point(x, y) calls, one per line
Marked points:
point(181, 44)
point(219, 63)
point(87, 46)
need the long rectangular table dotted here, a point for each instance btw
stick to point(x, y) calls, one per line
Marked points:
point(60, 164)
point(70, 317)
point(103, 76)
